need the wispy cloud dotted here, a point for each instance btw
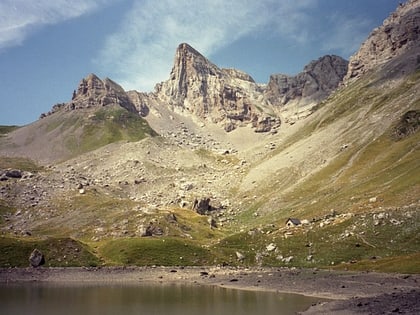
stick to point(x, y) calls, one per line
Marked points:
point(19, 18)
point(140, 53)
point(346, 34)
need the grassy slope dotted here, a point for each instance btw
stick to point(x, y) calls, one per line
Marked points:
point(57, 252)
point(374, 165)
point(64, 135)
point(108, 125)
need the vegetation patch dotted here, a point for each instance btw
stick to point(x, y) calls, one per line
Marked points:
point(58, 252)
point(360, 240)
point(109, 125)
point(7, 129)
point(21, 163)
point(156, 251)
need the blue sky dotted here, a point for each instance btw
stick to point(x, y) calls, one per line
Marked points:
point(48, 46)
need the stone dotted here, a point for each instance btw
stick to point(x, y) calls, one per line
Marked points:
point(143, 231)
point(270, 247)
point(287, 259)
point(408, 125)
point(14, 173)
point(202, 206)
point(172, 218)
point(212, 222)
point(240, 256)
point(36, 258)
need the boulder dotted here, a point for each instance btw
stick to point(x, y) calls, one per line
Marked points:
point(270, 247)
point(14, 173)
point(202, 206)
point(36, 258)
point(240, 256)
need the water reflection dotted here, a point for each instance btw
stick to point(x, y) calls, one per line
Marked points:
point(46, 299)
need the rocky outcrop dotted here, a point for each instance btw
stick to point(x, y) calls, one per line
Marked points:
point(318, 79)
point(196, 86)
point(399, 33)
point(408, 125)
point(141, 101)
point(94, 92)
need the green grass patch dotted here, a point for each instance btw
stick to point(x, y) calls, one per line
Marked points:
point(359, 240)
point(407, 264)
point(7, 129)
point(20, 163)
point(58, 252)
point(149, 251)
point(108, 125)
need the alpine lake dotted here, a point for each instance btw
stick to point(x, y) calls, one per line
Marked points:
point(152, 299)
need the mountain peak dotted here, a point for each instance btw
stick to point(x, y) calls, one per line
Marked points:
point(227, 97)
point(317, 80)
point(93, 92)
point(185, 48)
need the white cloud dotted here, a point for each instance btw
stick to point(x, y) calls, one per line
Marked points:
point(19, 18)
point(140, 53)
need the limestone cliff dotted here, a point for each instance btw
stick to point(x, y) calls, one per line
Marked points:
point(318, 79)
point(224, 96)
point(399, 33)
point(94, 92)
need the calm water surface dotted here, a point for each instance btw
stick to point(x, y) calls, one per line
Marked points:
point(46, 299)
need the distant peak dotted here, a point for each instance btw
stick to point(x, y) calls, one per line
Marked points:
point(185, 52)
point(187, 48)
point(92, 76)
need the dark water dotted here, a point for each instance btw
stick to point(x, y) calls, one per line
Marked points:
point(46, 299)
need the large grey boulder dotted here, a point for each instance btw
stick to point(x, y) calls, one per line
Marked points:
point(36, 258)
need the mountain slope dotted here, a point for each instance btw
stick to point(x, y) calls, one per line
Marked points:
point(349, 170)
point(99, 113)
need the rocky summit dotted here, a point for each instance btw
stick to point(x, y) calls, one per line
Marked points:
point(320, 169)
point(318, 79)
point(227, 97)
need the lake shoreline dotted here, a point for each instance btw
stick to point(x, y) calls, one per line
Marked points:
point(349, 292)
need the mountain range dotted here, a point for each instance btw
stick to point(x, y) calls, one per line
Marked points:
point(210, 166)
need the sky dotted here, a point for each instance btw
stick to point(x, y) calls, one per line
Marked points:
point(48, 46)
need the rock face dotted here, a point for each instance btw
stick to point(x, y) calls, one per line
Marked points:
point(228, 97)
point(399, 33)
point(94, 92)
point(224, 96)
point(408, 125)
point(318, 79)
